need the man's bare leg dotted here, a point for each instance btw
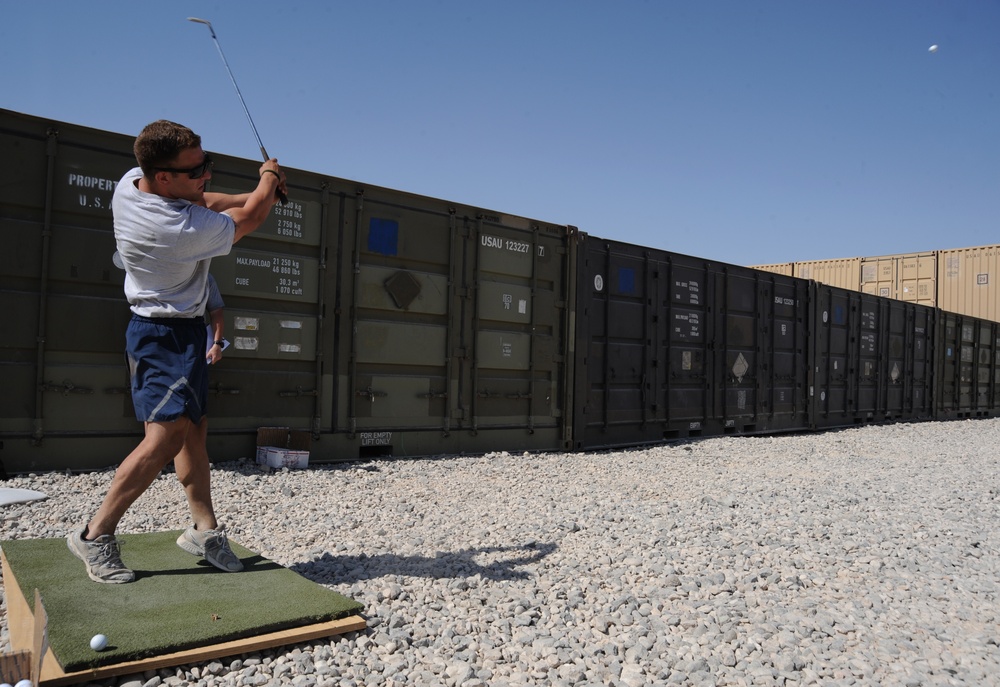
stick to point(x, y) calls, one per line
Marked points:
point(195, 475)
point(206, 539)
point(161, 443)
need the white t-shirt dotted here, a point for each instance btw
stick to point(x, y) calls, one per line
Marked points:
point(166, 246)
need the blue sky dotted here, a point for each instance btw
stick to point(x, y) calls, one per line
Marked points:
point(743, 131)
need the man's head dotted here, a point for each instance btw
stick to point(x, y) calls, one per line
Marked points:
point(172, 161)
point(159, 144)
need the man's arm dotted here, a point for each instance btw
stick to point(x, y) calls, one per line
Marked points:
point(249, 210)
point(220, 202)
point(218, 325)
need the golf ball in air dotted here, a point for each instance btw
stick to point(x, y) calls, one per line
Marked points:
point(98, 642)
point(933, 48)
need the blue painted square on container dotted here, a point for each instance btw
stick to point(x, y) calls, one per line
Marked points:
point(383, 236)
point(626, 280)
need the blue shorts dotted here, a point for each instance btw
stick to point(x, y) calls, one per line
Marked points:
point(167, 366)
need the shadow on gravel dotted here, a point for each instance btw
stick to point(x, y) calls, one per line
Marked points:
point(503, 565)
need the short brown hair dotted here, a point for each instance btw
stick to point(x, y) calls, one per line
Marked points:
point(159, 144)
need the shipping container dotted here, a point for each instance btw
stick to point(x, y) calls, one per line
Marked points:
point(968, 367)
point(62, 282)
point(842, 272)
point(872, 359)
point(672, 346)
point(968, 280)
point(381, 321)
point(785, 268)
point(961, 280)
point(453, 327)
point(61, 353)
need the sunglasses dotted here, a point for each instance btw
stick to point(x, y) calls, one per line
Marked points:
point(194, 172)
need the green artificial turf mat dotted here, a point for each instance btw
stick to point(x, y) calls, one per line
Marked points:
point(177, 601)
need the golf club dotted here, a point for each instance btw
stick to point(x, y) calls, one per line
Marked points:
point(281, 196)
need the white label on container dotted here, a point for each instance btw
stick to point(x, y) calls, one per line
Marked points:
point(289, 348)
point(247, 324)
point(376, 438)
point(246, 343)
point(290, 324)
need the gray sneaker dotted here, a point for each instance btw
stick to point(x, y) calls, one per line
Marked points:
point(213, 546)
point(102, 557)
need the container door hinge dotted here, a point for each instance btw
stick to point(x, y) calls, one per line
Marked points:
point(299, 391)
point(66, 388)
point(371, 394)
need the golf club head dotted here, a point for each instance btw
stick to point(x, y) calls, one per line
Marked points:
point(205, 22)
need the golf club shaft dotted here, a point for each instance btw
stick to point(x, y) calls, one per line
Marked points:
point(281, 196)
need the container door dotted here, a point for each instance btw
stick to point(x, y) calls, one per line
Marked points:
point(621, 351)
point(785, 307)
point(274, 283)
point(762, 367)
point(455, 332)
point(836, 331)
point(985, 354)
point(691, 405)
point(948, 367)
point(738, 367)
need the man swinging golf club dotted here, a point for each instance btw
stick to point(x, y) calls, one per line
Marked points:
point(168, 229)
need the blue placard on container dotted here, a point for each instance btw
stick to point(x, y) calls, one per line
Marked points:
point(383, 236)
point(626, 280)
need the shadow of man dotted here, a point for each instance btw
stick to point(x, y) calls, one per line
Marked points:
point(504, 564)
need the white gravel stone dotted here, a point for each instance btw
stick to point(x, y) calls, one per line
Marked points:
point(868, 556)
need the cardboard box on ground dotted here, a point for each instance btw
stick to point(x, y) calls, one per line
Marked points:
point(283, 447)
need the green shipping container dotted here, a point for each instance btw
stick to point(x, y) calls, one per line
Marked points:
point(382, 322)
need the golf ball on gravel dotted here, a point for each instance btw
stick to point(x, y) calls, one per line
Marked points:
point(24, 683)
point(98, 642)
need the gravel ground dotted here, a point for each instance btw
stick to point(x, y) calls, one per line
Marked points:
point(861, 557)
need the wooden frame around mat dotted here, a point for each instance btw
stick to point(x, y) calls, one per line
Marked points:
point(21, 624)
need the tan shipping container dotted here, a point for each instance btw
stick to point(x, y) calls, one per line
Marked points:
point(967, 281)
point(905, 276)
point(784, 268)
point(959, 280)
point(841, 272)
